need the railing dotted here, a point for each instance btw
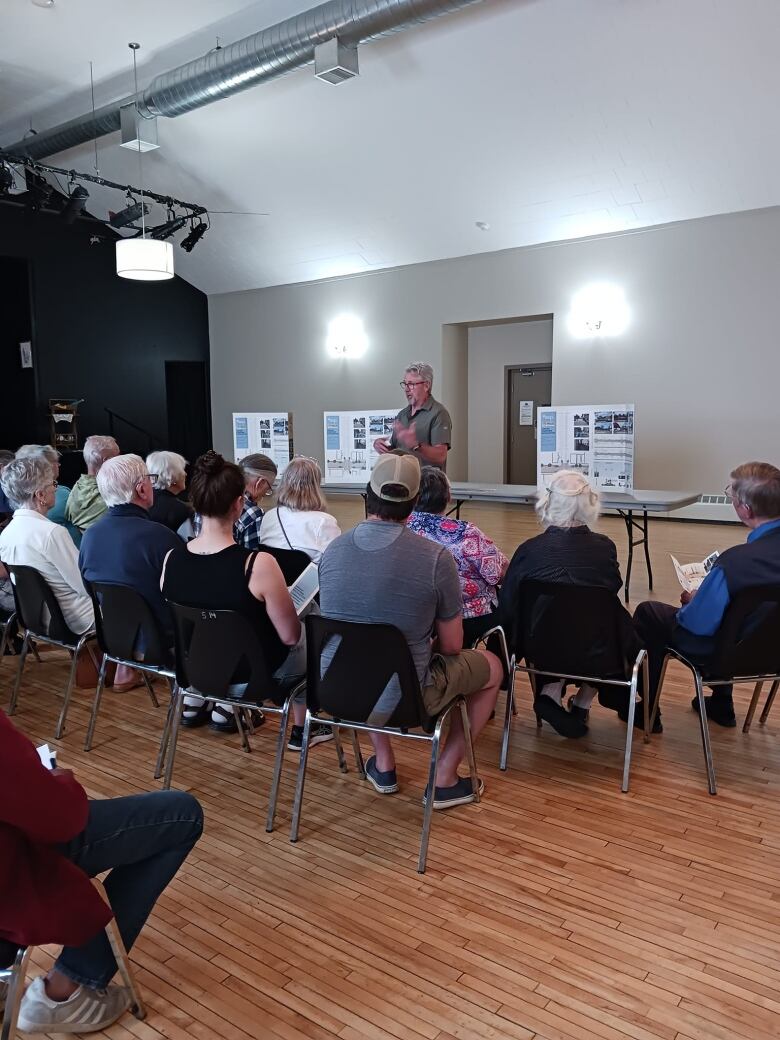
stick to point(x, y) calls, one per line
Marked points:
point(153, 440)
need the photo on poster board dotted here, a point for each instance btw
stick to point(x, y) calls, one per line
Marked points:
point(270, 433)
point(349, 443)
point(594, 440)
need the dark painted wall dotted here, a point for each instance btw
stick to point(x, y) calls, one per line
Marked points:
point(94, 335)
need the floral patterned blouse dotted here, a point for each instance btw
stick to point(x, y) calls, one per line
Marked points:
point(479, 561)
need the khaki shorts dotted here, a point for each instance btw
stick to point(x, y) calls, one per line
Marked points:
point(456, 676)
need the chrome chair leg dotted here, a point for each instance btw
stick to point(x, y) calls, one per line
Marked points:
point(342, 758)
point(177, 703)
point(510, 709)
point(359, 763)
point(646, 696)
point(238, 715)
point(13, 997)
point(301, 779)
point(281, 741)
point(705, 734)
point(430, 795)
point(753, 705)
point(150, 688)
point(69, 688)
point(34, 649)
point(19, 670)
point(120, 956)
point(96, 704)
point(7, 626)
point(632, 691)
point(769, 702)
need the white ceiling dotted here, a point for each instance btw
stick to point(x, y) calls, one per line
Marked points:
point(548, 119)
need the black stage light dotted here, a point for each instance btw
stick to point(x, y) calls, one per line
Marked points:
point(132, 212)
point(6, 179)
point(74, 207)
point(195, 235)
point(163, 231)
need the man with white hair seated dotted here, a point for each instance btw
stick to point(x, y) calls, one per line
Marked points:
point(169, 473)
point(568, 552)
point(125, 547)
point(85, 506)
point(32, 540)
point(57, 513)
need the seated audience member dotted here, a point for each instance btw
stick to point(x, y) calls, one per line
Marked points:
point(379, 572)
point(52, 840)
point(125, 547)
point(214, 573)
point(85, 506)
point(754, 490)
point(481, 565)
point(169, 474)
point(6, 509)
point(259, 474)
point(300, 520)
point(6, 512)
point(57, 512)
point(568, 552)
point(32, 540)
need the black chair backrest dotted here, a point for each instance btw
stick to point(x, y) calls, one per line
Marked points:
point(217, 648)
point(366, 658)
point(576, 629)
point(292, 562)
point(748, 640)
point(36, 605)
point(8, 952)
point(125, 623)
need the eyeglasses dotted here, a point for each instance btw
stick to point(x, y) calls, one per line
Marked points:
point(408, 386)
point(728, 491)
point(153, 477)
point(55, 483)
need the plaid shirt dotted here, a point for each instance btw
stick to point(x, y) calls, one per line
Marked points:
point(246, 530)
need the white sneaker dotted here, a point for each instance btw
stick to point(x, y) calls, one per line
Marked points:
point(86, 1011)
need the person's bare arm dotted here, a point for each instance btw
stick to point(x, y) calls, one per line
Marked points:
point(435, 454)
point(449, 636)
point(267, 584)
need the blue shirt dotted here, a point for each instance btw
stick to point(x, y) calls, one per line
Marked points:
point(704, 614)
point(57, 514)
point(125, 547)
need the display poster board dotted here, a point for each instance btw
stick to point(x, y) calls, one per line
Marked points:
point(268, 432)
point(349, 442)
point(596, 440)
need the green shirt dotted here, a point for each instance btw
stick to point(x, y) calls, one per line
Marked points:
point(84, 506)
point(432, 425)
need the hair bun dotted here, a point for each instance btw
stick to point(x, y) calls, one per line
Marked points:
point(211, 463)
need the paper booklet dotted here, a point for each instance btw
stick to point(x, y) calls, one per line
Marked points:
point(691, 575)
point(47, 756)
point(305, 588)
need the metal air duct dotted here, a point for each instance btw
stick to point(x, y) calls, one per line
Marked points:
point(262, 56)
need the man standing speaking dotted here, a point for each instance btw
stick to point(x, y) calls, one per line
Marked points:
point(424, 427)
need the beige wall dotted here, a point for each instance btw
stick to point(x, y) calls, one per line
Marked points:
point(699, 359)
point(491, 349)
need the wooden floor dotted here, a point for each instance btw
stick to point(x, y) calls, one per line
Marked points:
point(557, 908)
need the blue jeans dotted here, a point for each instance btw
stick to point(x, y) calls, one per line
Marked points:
point(143, 840)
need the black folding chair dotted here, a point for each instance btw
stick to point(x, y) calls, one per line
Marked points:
point(577, 632)
point(41, 620)
point(128, 634)
point(366, 658)
point(211, 647)
point(746, 650)
point(292, 562)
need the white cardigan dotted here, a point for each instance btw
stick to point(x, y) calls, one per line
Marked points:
point(32, 540)
point(312, 531)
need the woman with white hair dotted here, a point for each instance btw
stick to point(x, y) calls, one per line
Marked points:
point(169, 473)
point(85, 505)
point(32, 540)
point(300, 519)
point(568, 552)
point(57, 512)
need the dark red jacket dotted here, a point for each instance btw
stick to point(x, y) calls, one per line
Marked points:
point(44, 898)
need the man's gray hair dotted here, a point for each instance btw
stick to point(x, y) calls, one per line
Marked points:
point(757, 485)
point(168, 466)
point(28, 450)
point(118, 477)
point(98, 448)
point(569, 501)
point(423, 370)
point(21, 478)
point(259, 465)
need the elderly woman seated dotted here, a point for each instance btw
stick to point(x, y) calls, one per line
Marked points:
point(57, 512)
point(168, 471)
point(300, 519)
point(32, 540)
point(569, 552)
point(85, 506)
point(481, 564)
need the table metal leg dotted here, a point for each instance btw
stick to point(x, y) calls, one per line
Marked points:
point(641, 526)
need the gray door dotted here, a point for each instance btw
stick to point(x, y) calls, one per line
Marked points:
point(529, 383)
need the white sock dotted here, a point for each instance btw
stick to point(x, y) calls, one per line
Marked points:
point(583, 698)
point(553, 690)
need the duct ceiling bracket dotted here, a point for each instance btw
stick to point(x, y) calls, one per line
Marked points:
point(138, 134)
point(335, 61)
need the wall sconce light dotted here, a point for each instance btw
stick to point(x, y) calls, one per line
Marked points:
point(346, 337)
point(598, 310)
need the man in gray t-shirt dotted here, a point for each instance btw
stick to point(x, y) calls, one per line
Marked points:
point(381, 573)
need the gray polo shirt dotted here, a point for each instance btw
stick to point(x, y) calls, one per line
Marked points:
point(432, 424)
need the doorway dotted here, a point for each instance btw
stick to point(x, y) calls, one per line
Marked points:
point(528, 388)
point(189, 408)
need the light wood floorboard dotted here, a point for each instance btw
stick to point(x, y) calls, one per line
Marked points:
point(558, 908)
